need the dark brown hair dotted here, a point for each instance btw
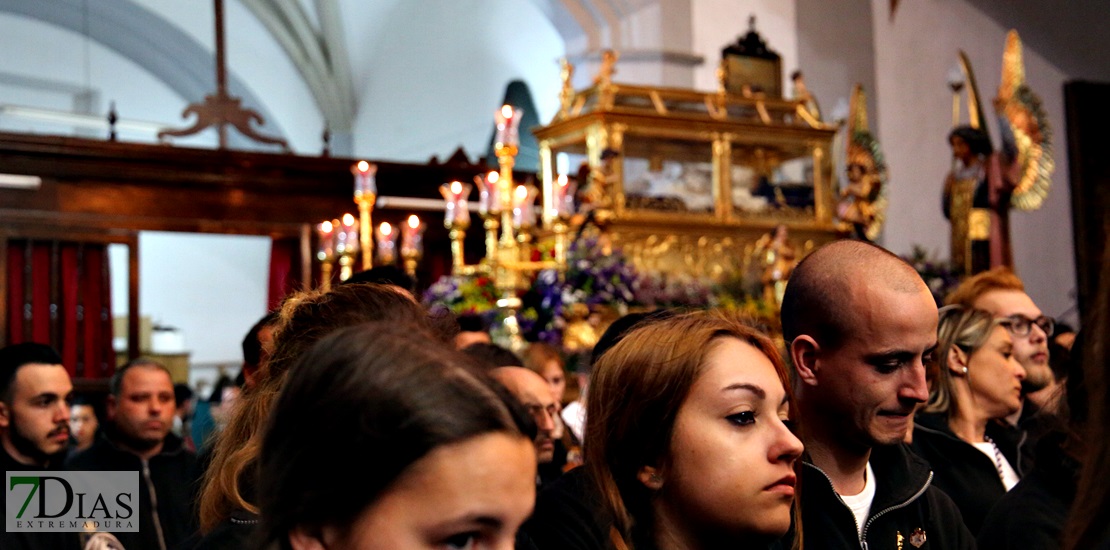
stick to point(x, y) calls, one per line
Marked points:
point(1089, 524)
point(359, 408)
point(305, 319)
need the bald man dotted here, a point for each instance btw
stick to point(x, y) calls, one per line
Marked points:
point(859, 324)
point(535, 394)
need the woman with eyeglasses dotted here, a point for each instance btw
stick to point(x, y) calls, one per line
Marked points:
point(962, 432)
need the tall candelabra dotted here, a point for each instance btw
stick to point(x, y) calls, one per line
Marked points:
point(509, 220)
point(366, 194)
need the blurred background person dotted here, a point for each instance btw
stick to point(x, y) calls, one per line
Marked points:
point(83, 423)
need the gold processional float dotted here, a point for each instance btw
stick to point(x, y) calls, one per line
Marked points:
point(685, 183)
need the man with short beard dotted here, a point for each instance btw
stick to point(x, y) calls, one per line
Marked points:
point(35, 390)
point(137, 437)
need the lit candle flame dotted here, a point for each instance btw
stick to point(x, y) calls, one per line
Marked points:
point(506, 111)
point(563, 180)
point(348, 220)
point(326, 227)
point(414, 221)
point(363, 166)
point(493, 176)
point(456, 188)
point(385, 229)
point(521, 193)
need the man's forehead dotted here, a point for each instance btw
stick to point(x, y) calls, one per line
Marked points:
point(1003, 303)
point(39, 378)
point(141, 378)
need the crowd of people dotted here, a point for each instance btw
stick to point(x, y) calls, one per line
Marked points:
point(363, 420)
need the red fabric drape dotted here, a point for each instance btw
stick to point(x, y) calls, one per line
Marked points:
point(284, 271)
point(60, 294)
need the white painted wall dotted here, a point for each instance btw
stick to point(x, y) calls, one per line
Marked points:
point(211, 287)
point(37, 50)
point(914, 53)
point(427, 83)
point(718, 23)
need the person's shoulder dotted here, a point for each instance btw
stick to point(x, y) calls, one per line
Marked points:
point(569, 515)
point(100, 455)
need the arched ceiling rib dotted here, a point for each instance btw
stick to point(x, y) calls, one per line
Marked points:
point(151, 42)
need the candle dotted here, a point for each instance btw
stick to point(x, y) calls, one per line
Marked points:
point(508, 123)
point(489, 197)
point(365, 178)
point(412, 237)
point(347, 236)
point(524, 208)
point(326, 248)
point(386, 241)
point(458, 211)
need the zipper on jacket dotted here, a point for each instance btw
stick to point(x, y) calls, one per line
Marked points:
point(917, 495)
point(153, 504)
point(867, 524)
point(862, 544)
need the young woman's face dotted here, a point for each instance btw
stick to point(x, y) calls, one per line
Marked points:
point(467, 495)
point(995, 376)
point(556, 378)
point(730, 473)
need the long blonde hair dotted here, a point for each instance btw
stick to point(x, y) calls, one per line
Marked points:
point(962, 327)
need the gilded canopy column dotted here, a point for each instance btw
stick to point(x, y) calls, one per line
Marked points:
point(616, 143)
point(722, 176)
point(547, 179)
point(822, 193)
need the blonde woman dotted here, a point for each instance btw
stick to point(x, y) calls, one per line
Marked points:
point(962, 430)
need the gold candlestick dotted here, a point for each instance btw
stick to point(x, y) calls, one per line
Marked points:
point(325, 275)
point(410, 258)
point(366, 194)
point(365, 240)
point(505, 159)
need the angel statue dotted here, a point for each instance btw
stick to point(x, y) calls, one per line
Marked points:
point(984, 184)
point(777, 258)
point(862, 207)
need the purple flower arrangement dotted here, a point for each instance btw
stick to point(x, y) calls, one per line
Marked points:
point(463, 295)
point(938, 275)
point(593, 278)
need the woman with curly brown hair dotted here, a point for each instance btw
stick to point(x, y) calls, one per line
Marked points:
point(227, 501)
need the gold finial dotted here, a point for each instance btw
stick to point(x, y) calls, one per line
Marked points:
point(605, 71)
point(566, 95)
point(722, 76)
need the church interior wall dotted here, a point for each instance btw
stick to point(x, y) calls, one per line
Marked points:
point(718, 23)
point(913, 56)
point(836, 50)
point(426, 89)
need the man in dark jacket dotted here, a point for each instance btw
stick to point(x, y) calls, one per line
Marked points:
point(859, 323)
point(140, 414)
point(34, 428)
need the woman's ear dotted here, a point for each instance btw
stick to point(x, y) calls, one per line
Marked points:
point(957, 361)
point(650, 477)
point(301, 538)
